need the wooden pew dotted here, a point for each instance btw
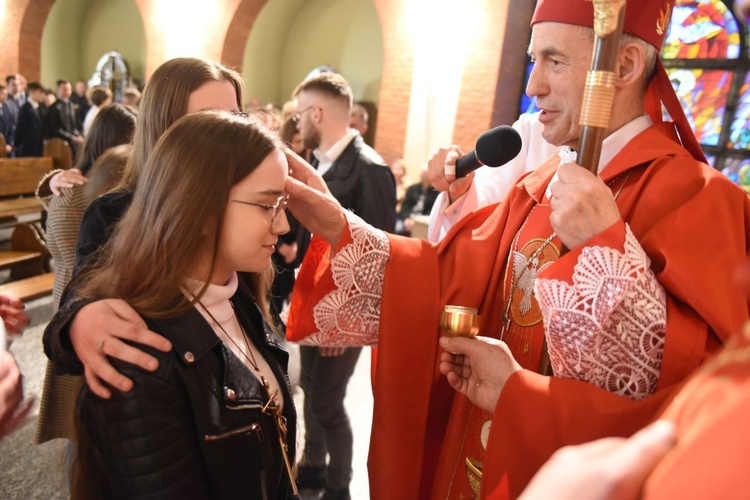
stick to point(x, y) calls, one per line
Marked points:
point(30, 288)
point(28, 256)
point(18, 180)
point(60, 152)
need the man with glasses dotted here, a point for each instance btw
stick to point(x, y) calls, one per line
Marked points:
point(362, 183)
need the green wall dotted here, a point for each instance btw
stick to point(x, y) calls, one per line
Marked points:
point(113, 25)
point(61, 40)
point(78, 32)
point(291, 37)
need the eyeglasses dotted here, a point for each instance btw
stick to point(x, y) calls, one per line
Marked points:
point(298, 114)
point(280, 205)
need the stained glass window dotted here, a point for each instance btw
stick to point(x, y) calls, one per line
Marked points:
point(706, 56)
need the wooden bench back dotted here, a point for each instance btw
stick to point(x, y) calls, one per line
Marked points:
point(61, 153)
point(19, 176)
point(3, 153)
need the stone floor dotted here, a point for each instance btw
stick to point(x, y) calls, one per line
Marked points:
point(29, 471)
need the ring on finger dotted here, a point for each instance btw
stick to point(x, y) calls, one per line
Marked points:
point(100, 345)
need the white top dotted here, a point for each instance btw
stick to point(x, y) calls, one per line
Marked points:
point(326, 159)
point(491, 185)
point(89, 119)
point(216, 300)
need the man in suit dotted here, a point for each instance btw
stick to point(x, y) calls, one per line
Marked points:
point(61, 118)
point(418, 200)
point(10, 109)
point(80, 102)
point(5, 119)
point(30, 128)
point(362, 183)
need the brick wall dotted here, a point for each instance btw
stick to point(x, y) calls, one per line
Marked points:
point(395, 88)
point(490, 97)
point(21, 40)
point(238, 32)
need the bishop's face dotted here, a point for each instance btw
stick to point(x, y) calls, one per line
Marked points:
point(562, 55)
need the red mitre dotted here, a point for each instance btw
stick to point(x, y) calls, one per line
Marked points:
point(645, 19)
point(649, 21)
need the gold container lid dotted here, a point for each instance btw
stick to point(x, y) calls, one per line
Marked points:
point(460, 321)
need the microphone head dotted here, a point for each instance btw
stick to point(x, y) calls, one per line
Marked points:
point(498, 146)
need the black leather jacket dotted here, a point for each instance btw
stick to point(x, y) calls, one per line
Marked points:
point(194, 428)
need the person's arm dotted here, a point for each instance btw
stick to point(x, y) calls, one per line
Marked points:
point(601, 302)
point(140, 434)
point(345, 241)
point(64, 216)
point(83, 332)
point(605, 469)
point(11, 395)
point(54, 180)
point(477, 368)
point(11, 312)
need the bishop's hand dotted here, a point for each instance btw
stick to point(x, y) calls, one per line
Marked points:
point(582, 205)
point(477, 368)
point(311, 202)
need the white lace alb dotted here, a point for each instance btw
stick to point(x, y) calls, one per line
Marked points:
point(607, 328)
point(350, 315)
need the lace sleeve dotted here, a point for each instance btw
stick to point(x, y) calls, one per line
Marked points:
point(608, 327)
point(350, 314)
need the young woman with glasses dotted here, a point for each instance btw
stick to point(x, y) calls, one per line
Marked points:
point(216, 419)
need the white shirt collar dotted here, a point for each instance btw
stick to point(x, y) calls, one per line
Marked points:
point(327, 158)
point(611, 145)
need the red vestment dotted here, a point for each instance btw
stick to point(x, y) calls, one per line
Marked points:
point(691, 222)
point(711, 411)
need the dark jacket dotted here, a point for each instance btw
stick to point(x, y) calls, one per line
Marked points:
point(418, 200)
point(29, 131)
point(61, 121)
point(9, 120)
point(194, 428)
point(361, 181)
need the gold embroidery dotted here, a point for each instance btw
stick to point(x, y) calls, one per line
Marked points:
point(663, 22)
point(474, 474)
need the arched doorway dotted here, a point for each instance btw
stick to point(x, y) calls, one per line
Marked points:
point(291, 37)
point(78, 32)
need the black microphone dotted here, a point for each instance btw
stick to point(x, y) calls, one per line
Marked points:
point(494, 148)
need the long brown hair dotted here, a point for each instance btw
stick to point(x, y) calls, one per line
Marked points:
point(113, 125)
point(178, 205)
point(165, 100)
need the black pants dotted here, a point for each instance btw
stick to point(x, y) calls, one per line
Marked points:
point(327, 427)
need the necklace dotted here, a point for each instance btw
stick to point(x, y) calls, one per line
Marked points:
point(247, 353)
point(271, 407)
point(524, 275)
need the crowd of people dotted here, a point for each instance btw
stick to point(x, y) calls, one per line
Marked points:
point(30, 114)
point(600, 322)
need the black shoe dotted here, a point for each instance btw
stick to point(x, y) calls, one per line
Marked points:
point(311, 477)
point(342, 494)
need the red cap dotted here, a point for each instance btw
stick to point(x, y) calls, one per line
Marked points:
point(645, 19)
point(649, 21)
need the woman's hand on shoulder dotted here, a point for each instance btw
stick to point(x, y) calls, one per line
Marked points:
point(66, 179)
point(98, 331)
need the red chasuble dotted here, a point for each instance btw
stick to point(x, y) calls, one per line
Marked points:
point(690, 221)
